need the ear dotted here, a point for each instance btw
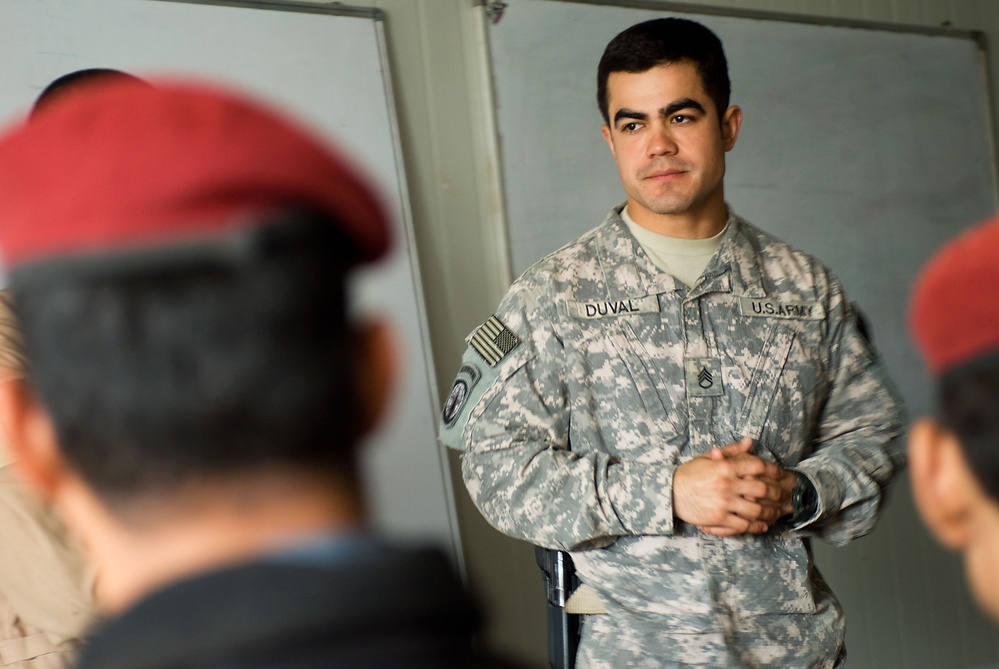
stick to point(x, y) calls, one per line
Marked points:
point(31, 438)
point(376, 371)
point(944, 489)
point(730, 123)
point(606, 132)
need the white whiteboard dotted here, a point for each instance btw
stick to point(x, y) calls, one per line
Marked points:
point(327, 65)
point(864, 146)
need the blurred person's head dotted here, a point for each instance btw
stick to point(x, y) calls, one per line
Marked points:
point(954, 455)
point(64, 87)
point(179, 258)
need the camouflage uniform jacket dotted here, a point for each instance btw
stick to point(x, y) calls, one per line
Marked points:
point(599, 374)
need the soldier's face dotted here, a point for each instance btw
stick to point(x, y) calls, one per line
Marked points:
point(667, 140)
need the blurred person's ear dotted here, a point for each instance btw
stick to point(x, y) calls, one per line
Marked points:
point(31, 438)
point(376, 369)
point(945, 490)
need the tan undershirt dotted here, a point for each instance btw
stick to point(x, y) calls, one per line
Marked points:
point(683, 258)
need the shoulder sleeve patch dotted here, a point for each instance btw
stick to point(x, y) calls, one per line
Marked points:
point(468, 377)
point(493, 341)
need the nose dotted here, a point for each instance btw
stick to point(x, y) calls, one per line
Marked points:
point(661, 141)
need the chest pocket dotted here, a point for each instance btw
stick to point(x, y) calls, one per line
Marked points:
point(782, 394)
point(618, 392)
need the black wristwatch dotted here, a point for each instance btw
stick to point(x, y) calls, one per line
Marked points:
point(804, 499)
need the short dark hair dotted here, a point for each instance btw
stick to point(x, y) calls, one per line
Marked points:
point(967, 401)
point(73, 80)
point(658, 42)
point(158, 374)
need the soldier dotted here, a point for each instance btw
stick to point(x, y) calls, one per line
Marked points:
point(677, 398)
point(953, 458)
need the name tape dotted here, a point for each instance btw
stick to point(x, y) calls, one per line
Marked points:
point(648, 304)
point(764, 308)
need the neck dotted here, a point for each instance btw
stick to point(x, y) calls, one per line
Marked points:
point(203, 527)
point(700, 223)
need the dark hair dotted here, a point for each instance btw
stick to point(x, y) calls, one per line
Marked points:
point(157, 374)
point(658, 42)
point(968, 399)
point(74, 80)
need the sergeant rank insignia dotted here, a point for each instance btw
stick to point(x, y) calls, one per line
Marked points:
point(704, 377)
point(493, 341)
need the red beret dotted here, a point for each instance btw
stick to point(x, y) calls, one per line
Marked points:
point(954, 314)
point(123, 167)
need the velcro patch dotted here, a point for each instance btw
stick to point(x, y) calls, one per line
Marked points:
point(467, 377)
point(622, 307)
point(704, 377)
point(493, 341)
point(770, 308)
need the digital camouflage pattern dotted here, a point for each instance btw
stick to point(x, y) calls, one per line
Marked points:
point(604, 373)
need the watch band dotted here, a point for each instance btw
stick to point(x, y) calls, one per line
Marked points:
point(804, 499)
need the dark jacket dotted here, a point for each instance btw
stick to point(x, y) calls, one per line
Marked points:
point(386, 608)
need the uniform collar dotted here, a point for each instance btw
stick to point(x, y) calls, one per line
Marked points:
point(628, 269)
point(735, 268)
point(738, 259)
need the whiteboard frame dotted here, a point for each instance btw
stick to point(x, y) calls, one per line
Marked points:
point(377, 15)
point(738, 13)
point(405, 229)
point(409, 233)
point(373, 13)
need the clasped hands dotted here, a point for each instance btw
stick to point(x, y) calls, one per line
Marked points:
point(730, 491)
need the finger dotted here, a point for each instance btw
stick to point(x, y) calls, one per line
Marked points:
point(749, 510)
point(718, 531)
point(755, 527)
point(761, 490)
point(753, 511)
point(738, 448)
point(748, 465)
point(780, 507)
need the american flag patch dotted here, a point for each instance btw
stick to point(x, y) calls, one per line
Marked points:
point(493, 341)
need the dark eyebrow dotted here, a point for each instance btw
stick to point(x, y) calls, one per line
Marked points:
point(628, 113)
point(685, 103)
point(668, 110)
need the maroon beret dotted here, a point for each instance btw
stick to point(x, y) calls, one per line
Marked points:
point(123, 167)
point(954, 314)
